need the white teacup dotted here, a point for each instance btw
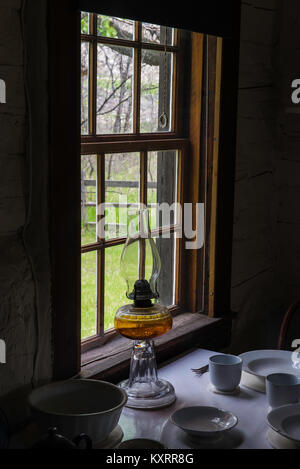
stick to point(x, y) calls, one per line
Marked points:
point(282, 389)
point(225, 372)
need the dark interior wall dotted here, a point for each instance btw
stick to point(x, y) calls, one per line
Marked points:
point(288, 171)
point(266, 246)
point(25, 306)
point(255, 277)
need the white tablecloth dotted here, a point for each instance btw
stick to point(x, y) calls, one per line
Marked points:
point(249, 406)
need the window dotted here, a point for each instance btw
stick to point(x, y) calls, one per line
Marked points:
point(132, 154)
point(199, 96)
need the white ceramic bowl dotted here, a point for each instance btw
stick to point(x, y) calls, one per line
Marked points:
point(285, 420)
point(78, 406)
point(201, 421)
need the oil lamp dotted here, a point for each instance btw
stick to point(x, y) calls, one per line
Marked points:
point(145, 318)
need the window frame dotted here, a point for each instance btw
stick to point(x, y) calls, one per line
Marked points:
point(99, 145)
point(65, 159)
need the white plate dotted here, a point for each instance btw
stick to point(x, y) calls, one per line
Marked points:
point(262, 363)
point(202, 421)
point(286, 421)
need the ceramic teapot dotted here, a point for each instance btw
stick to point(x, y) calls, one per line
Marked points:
point(53, 440)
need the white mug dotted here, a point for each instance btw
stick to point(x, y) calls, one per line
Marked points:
point(225, 372)
point(282, 389)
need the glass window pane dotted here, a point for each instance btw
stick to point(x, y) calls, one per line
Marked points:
point(85, 47)
point(156, 91)
point(166, 280)
point(115, 286)
point(108, 26)
point(122, 176)
point(157, 34)
point(162, 187)
point(88, 198)
point(85, 23)
point(88, 294)
point(114, 90)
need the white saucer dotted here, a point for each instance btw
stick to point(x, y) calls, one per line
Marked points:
point(173, 437)
point(235, 392)
point(204, 421)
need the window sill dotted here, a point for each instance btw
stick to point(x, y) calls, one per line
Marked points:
point(111, 361)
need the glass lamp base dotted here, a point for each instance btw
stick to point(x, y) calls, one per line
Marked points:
point(151, 395)
point(143, 388)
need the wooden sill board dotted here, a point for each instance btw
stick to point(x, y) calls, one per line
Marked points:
point(110, 362)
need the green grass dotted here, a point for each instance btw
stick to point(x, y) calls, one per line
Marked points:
point(114, 289)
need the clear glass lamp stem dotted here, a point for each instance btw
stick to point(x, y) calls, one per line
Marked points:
point(143, 363)
point(144, 389)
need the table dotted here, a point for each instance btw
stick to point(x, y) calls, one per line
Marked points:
point(249, 406)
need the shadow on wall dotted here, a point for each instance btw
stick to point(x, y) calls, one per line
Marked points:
point(256, 331)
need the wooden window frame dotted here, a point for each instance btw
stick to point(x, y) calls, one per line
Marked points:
point(99, 145)
point(65, 160)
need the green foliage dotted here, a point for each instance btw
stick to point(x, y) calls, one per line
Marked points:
point(84, 23)
point(105, 28)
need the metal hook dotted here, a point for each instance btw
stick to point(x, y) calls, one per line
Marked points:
point(163, 120)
